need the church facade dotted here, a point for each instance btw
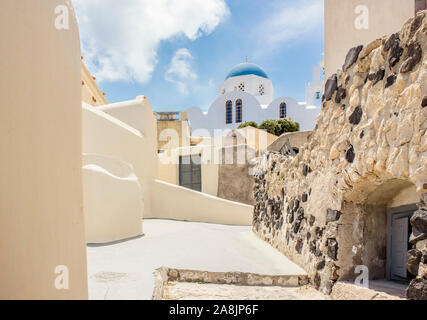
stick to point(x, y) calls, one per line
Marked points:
point(247, 94)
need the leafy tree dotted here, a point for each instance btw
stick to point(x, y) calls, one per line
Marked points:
point(269, 126)
point(279, 127)
point(248, 124)
point(287, 125)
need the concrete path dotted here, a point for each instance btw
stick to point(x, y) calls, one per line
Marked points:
point(124, 270)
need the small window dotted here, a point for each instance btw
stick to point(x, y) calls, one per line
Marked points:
point(228, 112)
point(261, 90)
point(239, 110)
point(420, 5)
point(242, 87)
point(282, 110)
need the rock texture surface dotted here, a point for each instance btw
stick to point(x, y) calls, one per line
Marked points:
point(202, 291)
point(325, 207)
point(417, 257)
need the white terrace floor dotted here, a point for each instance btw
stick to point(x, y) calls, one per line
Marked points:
point(124, 270)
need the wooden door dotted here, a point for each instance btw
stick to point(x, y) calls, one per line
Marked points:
point(399, 247)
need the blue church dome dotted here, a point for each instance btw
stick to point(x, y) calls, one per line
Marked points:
point(244, 69)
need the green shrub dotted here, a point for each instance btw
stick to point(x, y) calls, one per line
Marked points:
point(279, 127)
point(287, 125)
point(269, 125)
point(248, 124)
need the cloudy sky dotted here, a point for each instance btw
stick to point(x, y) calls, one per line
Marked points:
point(177, 52)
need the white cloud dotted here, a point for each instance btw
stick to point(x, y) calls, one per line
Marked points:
point(291, 21)
point(120, 38)
point(181, 71)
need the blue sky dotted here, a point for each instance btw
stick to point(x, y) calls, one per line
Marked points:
point(177, 52)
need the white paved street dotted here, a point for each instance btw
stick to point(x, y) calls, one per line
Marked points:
point(124, 270)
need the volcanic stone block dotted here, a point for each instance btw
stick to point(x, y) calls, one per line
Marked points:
point(350, 155)
point(331, 86)
point(347, 80)
point(332, 249)
point(296, 205)
point(417, 290)
point(320, 265)
point(356, 116)
point(419, 221)
point(390, 80)
point(304, 197)
point(413, 261)
point(351, 57)
point(317, 281)
point(393, 44)
point(412, 57)
point(291, 217)
point(296, 226)
point(391, 41)
point(312, 246)
point(377, 76)
point(332, 215)
point(300, 214)
point(341, 94)
point(299, 245)
point(306, 170)
point(312, 220)
point(417, 236)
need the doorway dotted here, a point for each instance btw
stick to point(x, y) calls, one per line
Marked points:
point(190, 172)
point(398, 232)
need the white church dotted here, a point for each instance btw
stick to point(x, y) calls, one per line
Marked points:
point(247, 94)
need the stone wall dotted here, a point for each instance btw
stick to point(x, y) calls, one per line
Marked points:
point(295, 139)
point(235, 182)
point(417, 257)
point(326, 207)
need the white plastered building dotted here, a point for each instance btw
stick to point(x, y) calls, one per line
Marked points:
point(247, 94)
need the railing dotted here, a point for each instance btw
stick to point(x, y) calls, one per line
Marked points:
point(168, 116)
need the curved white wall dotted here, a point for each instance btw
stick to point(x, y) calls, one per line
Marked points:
point(139, 115)
point(106, 135)
point(112, 200)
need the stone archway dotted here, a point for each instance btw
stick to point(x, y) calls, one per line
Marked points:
point(364, 232)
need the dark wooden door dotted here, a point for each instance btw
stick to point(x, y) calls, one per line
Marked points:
point(190, 172)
